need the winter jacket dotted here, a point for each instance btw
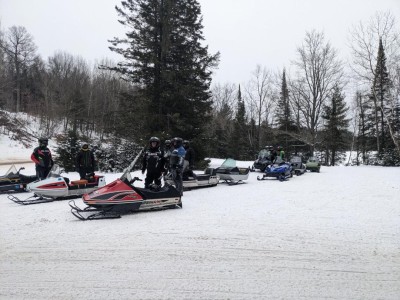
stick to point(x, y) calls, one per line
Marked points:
point(177, 157)
point(189, 156)
point(153, 160)
point(85, 159)
point(41, 156)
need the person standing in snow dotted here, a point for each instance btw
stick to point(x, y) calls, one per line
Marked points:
point(167, 153)
point(176, 163)
point(41, 156)
point(85, 161)
point(153, 162)
point(188, 164)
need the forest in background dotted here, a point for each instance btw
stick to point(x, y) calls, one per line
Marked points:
point(163, 87)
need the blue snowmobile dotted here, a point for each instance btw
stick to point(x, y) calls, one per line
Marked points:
point(280, 170)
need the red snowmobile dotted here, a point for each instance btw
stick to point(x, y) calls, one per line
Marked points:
point(121, 197)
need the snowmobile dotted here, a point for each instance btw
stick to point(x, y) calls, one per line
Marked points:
point(263, 159)
point(280, 170)
point(229, 172)
point(57, 187)
point(121, 197)
point(14, 181)
point(191, 180)
point(297, 165)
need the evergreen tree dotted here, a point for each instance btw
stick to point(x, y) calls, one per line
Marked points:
point(164, 55)
point(336, 125)
point(283, 113)
point(239, 144)
point(380, 95)
point(68, 147)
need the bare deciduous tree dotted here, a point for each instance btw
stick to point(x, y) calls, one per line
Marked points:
point(364, 42)
point(318, 71)
point(20, 51)
point(258, 95)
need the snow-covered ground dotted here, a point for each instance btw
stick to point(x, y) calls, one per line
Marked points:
point(328, 235)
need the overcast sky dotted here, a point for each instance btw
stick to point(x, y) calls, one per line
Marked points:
point(246, 32)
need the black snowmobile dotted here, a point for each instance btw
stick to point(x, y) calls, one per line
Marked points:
point(298, 166)
point(263, 159)
point(14, 181)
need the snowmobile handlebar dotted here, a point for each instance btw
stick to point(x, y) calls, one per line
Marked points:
point(135, 179)
point(22, 168)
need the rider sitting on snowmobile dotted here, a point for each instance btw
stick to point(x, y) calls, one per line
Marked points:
point(281, 153)
point(153, 161)
point(188, 164)
point(176, 163)
point(273, 154)
point(41, 156)
point(85, 162)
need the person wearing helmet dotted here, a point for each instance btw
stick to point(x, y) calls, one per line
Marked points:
point(281, 153)
point(85, 162)
point(167, 153)
point(273, 154)
point(41, 156)
point(176, 163)
point(188, 164)
point(153, 162)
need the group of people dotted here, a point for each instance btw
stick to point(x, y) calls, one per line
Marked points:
point(275, 153)
point(41, 156)
point(176, 158)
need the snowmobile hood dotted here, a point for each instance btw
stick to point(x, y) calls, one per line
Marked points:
point(114, 192)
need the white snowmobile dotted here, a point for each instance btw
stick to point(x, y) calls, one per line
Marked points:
point(57, 187)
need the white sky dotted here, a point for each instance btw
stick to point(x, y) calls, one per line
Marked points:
point(246, 32)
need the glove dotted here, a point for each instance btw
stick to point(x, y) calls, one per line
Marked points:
point(143, 171)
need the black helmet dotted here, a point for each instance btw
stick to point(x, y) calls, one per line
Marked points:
point(43, 141)
point(186, 143)
point(85, 146)
point(154, 139)
point(177, 142)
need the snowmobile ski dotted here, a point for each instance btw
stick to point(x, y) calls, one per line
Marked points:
point(91, 213)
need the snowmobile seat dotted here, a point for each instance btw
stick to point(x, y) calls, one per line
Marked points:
point(163, 192)
point(79, 182)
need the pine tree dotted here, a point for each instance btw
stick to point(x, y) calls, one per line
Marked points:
point(380, 98)
point(336, 125)
point(284, 114)
point(166, 58)
point(68, 147)
point(239, 142)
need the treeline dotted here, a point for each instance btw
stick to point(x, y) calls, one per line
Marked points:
point(162, 87)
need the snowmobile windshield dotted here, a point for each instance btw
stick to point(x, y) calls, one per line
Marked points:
point(55, 171)
point(295, 159)
point(263, 153)
point(229, 163)
point(12, 171)
point(313, 159)
point(126, 175)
